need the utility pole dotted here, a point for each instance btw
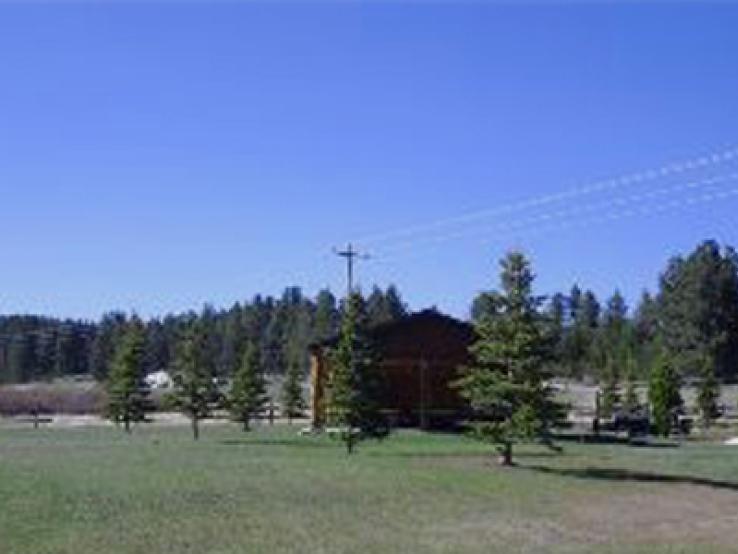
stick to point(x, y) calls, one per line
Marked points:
point(351, 255)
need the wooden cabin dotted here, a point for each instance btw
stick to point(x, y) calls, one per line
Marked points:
point(419, 358)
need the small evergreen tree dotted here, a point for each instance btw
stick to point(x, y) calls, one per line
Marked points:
point(195, 393)
point(127, 391)
point(293, 403)
point(247, 396)
point(664, 395)
point(353, 388)
point(505, 387)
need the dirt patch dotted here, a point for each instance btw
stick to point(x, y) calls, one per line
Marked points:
point(660, 514)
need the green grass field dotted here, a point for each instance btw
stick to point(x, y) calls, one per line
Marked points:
point(85, 491)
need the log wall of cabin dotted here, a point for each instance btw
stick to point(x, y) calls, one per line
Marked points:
point(419, 361)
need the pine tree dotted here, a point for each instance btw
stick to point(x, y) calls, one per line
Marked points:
point(273, 342)
point(505, 386)
point(46, 352)
point(698, 310)
point(109, 334)
point(375, 307)
point(708, 394)
point(394, 305)
point(231, 344)
point(482, 306)
point(616, 313)
point(247, 396)
point(326, 316)
point(556, 317)
point(195, 393)
point(298, 337)
point(643, 336)
point(630, 398)
point(610, 390)
point(157, 355)
point(580, 348)
point(293, 403)
point(354, 386)
point(384, 306)
point(615, 334)
point(664, 394)
point(22, 360)
point(127, 390)
point(210, 339)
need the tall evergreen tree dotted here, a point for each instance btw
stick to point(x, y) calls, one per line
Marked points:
point(71, 349)
point(384, 306)
point(610, 390)
point(616, 313)
point(231, 342)
point(293, 402)
point(195, 393)
point(630, 397)
point(483, 306)
point(375, 307)
point(580, 350)
point(273, 342)
point(247, 397)
point(557, 330)
point(395, 306)
point(157, 353)
point(326, 316)
point(698, 311)
point(22, 361)
point(354, 387)
point(588, 314)
point(298, 336)
point(575, 302)
point(127, 391)
point(46, 352)
point(109, 333)
point(505, 386)
point(210, 338)
point(611, 352)
point(708, 393)
point(664, 394)
point(646, 318)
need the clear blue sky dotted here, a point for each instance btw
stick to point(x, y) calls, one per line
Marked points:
point(155, 156)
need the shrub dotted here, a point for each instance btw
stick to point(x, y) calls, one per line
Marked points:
point(51, 399)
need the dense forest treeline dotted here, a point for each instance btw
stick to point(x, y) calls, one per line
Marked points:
point(37, 348)
point(693, 315)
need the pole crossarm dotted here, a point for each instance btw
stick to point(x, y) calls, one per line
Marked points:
point(351, 255)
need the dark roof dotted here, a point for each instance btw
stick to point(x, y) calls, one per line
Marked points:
point(391, 326)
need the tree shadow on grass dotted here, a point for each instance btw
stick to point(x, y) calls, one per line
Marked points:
point(261, 442)
point(542, 454)
point(608, 438)
point(616, 474)
point(430, 455)
point(455, 454)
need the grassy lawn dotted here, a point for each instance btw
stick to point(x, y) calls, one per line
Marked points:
point(84, 491)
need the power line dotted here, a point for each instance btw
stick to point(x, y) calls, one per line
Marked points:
point(549, 216)
point(647, 210)
point(673, 168)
